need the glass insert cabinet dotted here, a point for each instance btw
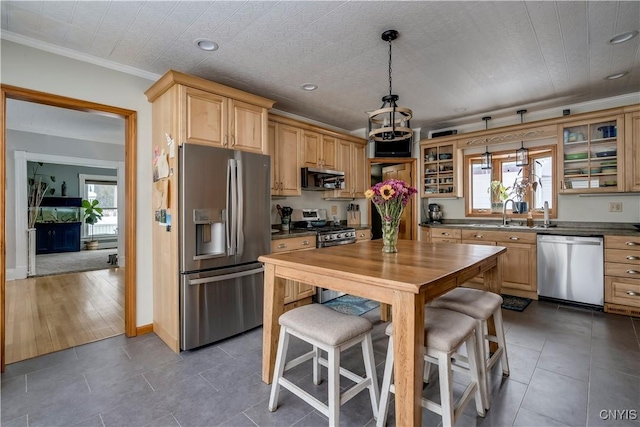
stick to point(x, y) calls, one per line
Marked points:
point(591, 152)
point(58, 225)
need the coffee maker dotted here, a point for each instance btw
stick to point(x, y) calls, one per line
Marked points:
point(435, 214)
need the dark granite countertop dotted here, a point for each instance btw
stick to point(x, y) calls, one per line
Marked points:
point(558, 228)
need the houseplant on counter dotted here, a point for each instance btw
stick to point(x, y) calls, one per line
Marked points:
point(520, 187)
point(390, 197)
point(499, 193)
point(92, 214)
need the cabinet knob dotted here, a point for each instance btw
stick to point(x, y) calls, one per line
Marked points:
point(633, 258)
point(632, 243)
point(282, 246)
point(479, 236)
point(361, 234)
point(305, 243)
point(633, 272)
point(445, 234)
point(226, 140)
point(233, 140)
point(633, 294)
point(514, 238)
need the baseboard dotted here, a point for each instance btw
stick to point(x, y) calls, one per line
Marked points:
point(16, 273)
point(144, 329)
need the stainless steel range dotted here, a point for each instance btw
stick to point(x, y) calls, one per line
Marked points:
point(327, 235)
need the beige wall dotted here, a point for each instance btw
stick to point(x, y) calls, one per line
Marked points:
point(46, 72)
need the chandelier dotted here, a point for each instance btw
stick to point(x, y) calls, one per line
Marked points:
point(390, 122)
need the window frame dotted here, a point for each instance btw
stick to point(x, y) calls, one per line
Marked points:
point(83, 179)
point(504, 156)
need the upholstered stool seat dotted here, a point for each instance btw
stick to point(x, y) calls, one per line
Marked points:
point(445, 332)
point(333, 332)
point(480, 305)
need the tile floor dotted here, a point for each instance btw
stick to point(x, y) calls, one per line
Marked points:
point(567, 365)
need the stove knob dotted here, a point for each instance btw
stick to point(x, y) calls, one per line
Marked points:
point(340, 236)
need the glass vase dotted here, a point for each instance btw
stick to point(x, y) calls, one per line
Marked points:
point(390, 235)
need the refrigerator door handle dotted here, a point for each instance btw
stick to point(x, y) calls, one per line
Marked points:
point(226, 276)
point(239, 209)
point(232, 189)
point(226, 211)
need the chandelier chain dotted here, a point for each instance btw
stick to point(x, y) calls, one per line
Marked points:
point(390, 90)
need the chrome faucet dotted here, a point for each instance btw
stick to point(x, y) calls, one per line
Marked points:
point(504, 210)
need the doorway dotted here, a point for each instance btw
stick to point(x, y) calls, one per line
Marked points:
point(383, 168)
point(130, 173)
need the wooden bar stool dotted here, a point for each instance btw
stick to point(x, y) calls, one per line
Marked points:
point(333, 332)
point(480, 305)
point(445, 332)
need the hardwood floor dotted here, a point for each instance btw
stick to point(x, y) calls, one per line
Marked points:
point(51, 313)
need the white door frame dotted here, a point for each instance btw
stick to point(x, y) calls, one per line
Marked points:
point(21, 158)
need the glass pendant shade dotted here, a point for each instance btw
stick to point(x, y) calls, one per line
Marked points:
point(487, 159)
point(522, 156)
point(390, 122)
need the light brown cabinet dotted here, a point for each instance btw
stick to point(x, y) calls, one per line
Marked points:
point(284, 146)
point(519, 263)
point(295, 291)
point(591, 155)
point(192, 110)
point(440, 176)
point(363, 235)
point(319, 151)
point(351, 158)
point(622, 275)
point(219, 121)
point(632, 151)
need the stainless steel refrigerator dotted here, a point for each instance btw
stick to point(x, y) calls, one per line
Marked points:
point(224, 202)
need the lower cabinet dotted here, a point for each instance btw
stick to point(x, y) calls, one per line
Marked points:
point(519, 263)
point(57, 237)
point(622, 275)
point(295, 293)
point(363, 235)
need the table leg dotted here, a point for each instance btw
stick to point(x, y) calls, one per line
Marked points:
point(408, 347)
point(273, 308)
point(493, 283)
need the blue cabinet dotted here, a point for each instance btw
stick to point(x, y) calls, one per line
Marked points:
point(57, 237)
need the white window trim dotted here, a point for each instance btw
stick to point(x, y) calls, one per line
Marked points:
point(82, 179)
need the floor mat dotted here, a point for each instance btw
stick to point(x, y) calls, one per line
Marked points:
point(349, 304)
point(514, 303)
point(67, 262)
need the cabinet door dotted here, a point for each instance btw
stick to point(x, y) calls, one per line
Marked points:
point(591, 156)
point(303, 290)
point(343, 162)
point(288, 146)
point(43, 233)
point(205, 117)
point(439, 172)
point(519, 267)
point(246, 126)
point(328, 152)
point(358, 169)
point(271, 151)
point(311, 151)
point(632, 151)
point(65, 238)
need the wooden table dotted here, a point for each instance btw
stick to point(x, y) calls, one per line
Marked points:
point(406, 280)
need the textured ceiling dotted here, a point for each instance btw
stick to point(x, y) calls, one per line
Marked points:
point(453, 62)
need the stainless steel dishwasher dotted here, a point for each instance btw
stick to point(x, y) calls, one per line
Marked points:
point(571, 268)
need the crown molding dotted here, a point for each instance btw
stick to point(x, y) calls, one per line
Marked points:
point(73, 54)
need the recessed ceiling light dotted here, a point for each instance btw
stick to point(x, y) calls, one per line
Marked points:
point(623, 37)
point(616, 75)
point(460, 110)
point(206, 44)
point(309, 86)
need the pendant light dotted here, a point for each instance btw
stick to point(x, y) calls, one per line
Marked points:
point(487, 158)
point(522, 155)
point(390, 122)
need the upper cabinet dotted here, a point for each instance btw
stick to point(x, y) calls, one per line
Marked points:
point(351, 159)
point(591, 155)
point(285, 144)
point(632, 151)
point(319, 150)
point(440, 176)
point(210, 113)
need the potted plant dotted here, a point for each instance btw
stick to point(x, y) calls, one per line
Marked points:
point(38, 188)
point(92, 214)
point(499, 193)
point(519, 190)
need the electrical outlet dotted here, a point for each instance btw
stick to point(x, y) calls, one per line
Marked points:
point(334, 210)
point(615, 206)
